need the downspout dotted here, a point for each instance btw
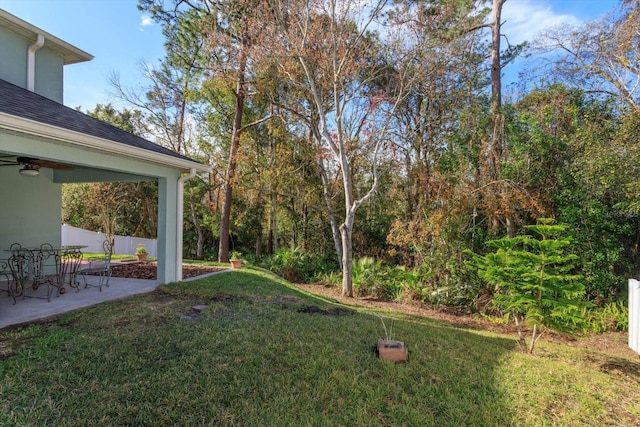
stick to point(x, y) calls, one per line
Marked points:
point(31, 62)
point(180, 221)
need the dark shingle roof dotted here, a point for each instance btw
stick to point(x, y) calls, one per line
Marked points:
point(20, 102)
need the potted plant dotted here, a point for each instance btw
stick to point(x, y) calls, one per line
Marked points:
point(236, 259)
point(141, 253)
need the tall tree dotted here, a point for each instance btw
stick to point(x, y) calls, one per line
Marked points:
point(438, 126)
point(229, 33)
point(347, 72)
point(496, 191)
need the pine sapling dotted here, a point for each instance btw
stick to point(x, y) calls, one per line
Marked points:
point(533, 280)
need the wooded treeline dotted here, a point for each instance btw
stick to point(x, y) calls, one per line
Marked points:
point(340, 130)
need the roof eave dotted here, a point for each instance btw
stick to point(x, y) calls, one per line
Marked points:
point(31, 127)
point(70, 53)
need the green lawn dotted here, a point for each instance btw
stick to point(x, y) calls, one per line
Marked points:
point(264, 353)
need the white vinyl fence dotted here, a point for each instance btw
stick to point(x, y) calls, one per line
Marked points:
point(634, 315)
point(123, 244)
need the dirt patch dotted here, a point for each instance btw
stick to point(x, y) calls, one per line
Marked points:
point(314, 309)
point(461, 318)
point(149, 270)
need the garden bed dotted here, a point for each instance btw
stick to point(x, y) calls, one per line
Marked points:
point(149, 270)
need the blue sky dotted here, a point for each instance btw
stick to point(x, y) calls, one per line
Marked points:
point(120, 37)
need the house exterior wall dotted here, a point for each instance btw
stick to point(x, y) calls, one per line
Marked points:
point(30, 209)
point(48, 65)
point(13, 58)
point(49, 75)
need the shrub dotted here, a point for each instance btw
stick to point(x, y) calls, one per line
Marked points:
point(297, 265)
point(366, 272)
point(613, 316)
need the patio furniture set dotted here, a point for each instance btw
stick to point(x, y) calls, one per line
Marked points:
point(54, 267)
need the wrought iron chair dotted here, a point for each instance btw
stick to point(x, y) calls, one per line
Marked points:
point(6, 276)
point(46, 269)
point(70, 262)
point(19, 265)
point(100, 269)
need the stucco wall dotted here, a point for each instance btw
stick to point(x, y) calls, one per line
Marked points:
point(13, 51)
point(49, 74)
point(13, 61)
point(30, 209)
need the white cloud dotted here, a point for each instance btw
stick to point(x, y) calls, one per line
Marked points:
point(145, 22)
point(526, 19)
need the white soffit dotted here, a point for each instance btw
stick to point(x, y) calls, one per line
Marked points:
point(70, 53)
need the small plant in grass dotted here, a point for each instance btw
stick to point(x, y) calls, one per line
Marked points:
point(533, 281)
point(236, 255)
point(388, 348)
point(388, 333)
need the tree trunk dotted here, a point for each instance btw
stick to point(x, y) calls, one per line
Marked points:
point(347, 227)
point(522, 342)
point(225, 219)
point(259, 245)
point(305, 229)
point(497, 136)
point(335, 230)
point(273, 233)
point(496, 67)
point(494, 192)
point(533, 339)
point(347, 261)
point(199, 232)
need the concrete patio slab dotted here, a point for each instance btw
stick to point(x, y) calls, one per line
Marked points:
point(36, 307)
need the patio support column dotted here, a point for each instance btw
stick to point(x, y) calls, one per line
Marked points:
point(167, 229)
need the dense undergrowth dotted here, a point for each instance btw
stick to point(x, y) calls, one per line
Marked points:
point(374, 278)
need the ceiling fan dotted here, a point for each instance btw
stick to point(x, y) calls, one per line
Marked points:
point(31, 166)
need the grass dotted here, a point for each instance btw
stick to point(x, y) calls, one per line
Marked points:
point(265, 353)
point(99, 256)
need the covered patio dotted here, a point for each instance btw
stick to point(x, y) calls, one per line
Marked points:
point(33, 308)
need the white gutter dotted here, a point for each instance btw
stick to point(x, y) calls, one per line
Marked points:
point(180, 221)
point(31, 62)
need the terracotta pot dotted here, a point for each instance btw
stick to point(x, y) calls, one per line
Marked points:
point(142, 256)
point(236, 263)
